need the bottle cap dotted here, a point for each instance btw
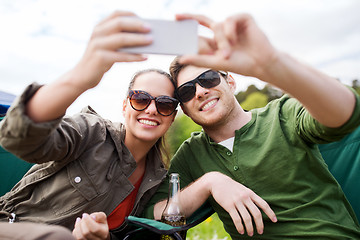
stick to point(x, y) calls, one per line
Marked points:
point(174, 177)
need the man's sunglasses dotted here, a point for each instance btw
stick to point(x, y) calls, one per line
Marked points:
point(140, 100)
point(208, 79)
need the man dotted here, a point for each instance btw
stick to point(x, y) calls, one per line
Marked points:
point(272, 151)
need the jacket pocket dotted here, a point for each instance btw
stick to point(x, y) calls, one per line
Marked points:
point(81, 181)
point(77, 191)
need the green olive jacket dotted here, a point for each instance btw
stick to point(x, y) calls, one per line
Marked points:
point(82, 165)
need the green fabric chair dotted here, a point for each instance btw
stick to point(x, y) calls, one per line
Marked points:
point(12, 169)
point(152, 229)
point(343, 160)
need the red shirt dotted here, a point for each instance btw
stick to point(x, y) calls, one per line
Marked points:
point(117, 217)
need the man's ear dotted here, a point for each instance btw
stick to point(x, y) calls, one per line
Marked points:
point(231, 82)
point(183, 109)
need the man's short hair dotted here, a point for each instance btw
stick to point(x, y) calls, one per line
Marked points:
point(175, 68)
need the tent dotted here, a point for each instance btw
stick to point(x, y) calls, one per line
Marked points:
point(11, 168)
point(5, 101)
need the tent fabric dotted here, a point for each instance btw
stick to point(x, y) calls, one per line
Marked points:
point(12, 168)
point(5, 101)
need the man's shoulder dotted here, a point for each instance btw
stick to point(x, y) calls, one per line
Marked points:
point(196, 139)
point(280, 104)
point(196, 134)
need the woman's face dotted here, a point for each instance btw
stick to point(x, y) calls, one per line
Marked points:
point(148, 125)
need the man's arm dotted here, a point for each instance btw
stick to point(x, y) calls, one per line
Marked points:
point(240, 202)
point(240, 46)
point(327, 100)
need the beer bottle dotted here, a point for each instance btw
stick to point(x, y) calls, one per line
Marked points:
point(173, 214)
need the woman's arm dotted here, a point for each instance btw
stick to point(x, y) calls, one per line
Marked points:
point(111, 34)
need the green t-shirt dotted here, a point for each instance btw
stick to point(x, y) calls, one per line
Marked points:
point(276, 156)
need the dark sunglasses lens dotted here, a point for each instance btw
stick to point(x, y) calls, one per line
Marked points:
point(186, 92)
point(165, 106)
point(140, 101)
point(209, 79)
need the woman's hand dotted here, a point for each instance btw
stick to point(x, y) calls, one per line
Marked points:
point(120, 29)
point(92, 227)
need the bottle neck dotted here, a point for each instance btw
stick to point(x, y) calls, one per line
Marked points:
point(174, 190)
point(173, 206)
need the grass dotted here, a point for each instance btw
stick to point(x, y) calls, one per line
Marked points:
point(211, 229)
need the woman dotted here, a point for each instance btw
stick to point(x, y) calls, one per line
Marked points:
point(87, 164)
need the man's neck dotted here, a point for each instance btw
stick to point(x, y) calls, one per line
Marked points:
point(225, 130)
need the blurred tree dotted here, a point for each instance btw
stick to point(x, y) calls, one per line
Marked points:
point(254, 100)
point(356, 85)
point(179, 131)
point(271, 92)
point(241, 96)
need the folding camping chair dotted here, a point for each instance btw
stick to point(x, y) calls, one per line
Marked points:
point(151, 229)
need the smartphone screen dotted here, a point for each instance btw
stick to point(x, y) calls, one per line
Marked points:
point(170, 38)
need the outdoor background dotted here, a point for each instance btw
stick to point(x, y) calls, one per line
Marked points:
point(41, 40)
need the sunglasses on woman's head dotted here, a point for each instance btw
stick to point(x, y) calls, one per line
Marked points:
point(208, 79)
point(140, 100)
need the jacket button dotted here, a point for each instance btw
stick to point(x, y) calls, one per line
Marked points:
point(236, 168)
point(77, 179)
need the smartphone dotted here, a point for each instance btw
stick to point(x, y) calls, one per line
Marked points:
point(170, 38)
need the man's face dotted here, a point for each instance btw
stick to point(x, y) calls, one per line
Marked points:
point(210, 106)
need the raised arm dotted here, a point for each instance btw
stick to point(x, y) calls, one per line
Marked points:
point(240, 46)
point(111, 34)
point(240, 202)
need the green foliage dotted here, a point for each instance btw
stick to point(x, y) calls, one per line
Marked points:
point(212, 228)
point(254, 100)
point(241, 96)
point(179, 131)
